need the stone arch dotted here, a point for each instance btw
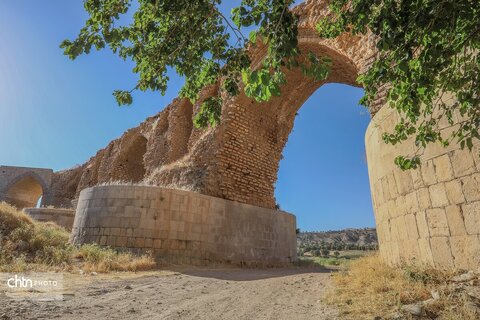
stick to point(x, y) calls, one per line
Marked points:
point(25, 190)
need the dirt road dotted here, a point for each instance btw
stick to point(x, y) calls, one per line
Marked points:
point(185, 294)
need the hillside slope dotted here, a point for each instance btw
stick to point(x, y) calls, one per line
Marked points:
point(353, 238)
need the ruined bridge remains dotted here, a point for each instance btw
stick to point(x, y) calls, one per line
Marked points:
point(22, 186)
point(237, 160)
point(430, 215)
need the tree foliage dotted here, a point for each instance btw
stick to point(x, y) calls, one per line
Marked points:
point(198, 42)
point(428, 49)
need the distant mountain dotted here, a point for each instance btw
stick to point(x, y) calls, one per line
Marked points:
point(366, 237)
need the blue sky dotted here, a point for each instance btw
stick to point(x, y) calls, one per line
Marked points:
point(55, 113)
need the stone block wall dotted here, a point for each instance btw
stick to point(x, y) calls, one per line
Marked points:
point(184, 227)
point(430, 215)
point(62, 217)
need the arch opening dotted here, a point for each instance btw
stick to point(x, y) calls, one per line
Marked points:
point(257, 133)
point(25, 192)
point(323, 174)
point(129, 165)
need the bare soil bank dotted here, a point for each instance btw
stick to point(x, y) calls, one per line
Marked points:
point(188, 293)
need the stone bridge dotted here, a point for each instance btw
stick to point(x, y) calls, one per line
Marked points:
point(430, 215)
point(237, 160)
point(23, 187)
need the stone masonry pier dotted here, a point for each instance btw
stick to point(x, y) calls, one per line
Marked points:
point(430, 215)
point(184, 227)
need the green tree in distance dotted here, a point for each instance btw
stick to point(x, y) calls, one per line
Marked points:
point(427, 48)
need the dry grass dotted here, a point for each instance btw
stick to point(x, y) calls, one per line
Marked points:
point(100, 259)
point(29, 245)
point(25, 244)
point(369, 288)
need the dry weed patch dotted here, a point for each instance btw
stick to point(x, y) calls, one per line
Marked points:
point(27, 245)
point(369, 289)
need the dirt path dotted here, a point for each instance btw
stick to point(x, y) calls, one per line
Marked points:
point(185, 294)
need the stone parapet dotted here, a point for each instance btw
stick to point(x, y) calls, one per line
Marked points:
point(62, 217)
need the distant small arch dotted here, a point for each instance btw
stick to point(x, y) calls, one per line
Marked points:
point(25, 190)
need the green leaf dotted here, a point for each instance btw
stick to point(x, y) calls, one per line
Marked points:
point(253, 36)
point(209, 113)
point(123, 97)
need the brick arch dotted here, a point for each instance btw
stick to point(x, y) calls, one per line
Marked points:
point(253, 135)
point(238, 159)
point(180, 156)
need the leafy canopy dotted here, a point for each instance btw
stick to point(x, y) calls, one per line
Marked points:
point(428, 49)
point(196, 40)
